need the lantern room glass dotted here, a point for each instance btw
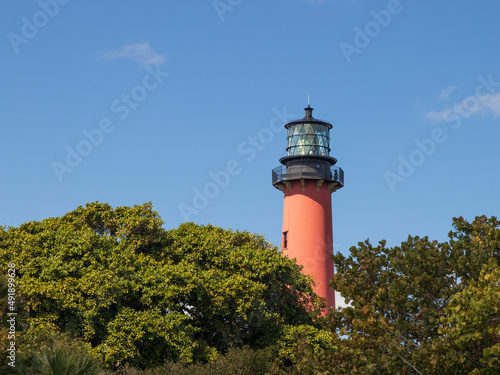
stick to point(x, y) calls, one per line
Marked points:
point(308, 139)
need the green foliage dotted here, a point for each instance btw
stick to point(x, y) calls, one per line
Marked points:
point(14, 304)
point(42, 350)
point(470, 333)
point(397, 296)
point(419, 308)
point(18, 306)
point(41, 337)
point(469, 341)
point(55, 361)
point(239, 289)
point(112, 285)
point(474, 245)
point(237, 361)
point(304, 350)
point(137, 294)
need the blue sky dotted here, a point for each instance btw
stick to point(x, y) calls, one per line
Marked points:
point(129, 102)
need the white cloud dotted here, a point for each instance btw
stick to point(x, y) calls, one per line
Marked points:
point(141, 52)
point(469, 106)
point(437, 116)
point(446, 92)
point(492, 103)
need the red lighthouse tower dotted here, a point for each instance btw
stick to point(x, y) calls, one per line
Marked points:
point(308, 177)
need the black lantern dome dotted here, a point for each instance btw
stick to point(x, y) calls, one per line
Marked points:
point(308, 154)
point(308, 137)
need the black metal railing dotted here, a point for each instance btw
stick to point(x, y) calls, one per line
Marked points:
point(296, 172)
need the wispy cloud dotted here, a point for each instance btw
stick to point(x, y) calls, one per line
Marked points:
point(437, 116)
point(471, 105)
point(141, 52)
point(493, 104)
point(446, 92)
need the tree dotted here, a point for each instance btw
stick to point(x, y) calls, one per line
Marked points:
point(470, 333)
point(45, 352)
point(305, 350)
point(13, 316)
point(115, 279)
point(419, 308)
point(397, 296)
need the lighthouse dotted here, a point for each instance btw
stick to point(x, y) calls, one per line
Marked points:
point(308, 177)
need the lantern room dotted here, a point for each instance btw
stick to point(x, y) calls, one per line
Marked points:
point(308, 136)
